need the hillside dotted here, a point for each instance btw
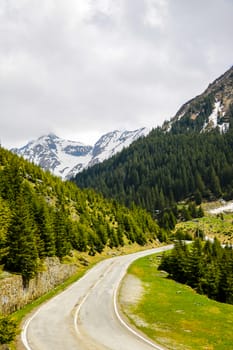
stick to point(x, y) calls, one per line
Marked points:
point(42, 216)
point(178, 161)
point(163, 169)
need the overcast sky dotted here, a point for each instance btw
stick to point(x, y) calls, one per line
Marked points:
point(81, 68)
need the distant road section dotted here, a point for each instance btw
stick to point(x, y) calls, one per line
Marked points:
point(85, 316)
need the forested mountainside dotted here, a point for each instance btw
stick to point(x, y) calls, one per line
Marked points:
point(41, 216)
point(164, 168)
point(189, 157)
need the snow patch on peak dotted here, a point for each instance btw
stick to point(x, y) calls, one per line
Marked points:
point(66, 158)
point(113, 142)
point(213, 119)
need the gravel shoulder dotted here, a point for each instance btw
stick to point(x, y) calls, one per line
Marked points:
point(131, 290)
point(130, 294)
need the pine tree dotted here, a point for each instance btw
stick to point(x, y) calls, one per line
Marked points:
point(80, 237)
point(215, 183)
point(195, 266)
point(62, 236)
point(210, 280)
point(45, 230)
point(225, 292)
point(5, 221)
point(22, 252)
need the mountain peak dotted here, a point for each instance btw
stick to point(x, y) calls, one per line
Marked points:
point(66, 158)
point(114, 141)
point(52, 135)
point(210, 110)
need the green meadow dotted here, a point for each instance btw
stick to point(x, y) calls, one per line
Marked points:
point(174, 315)
point(220, 226)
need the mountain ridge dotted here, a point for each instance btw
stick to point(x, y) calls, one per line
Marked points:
point(207, 111)
point(65, 158)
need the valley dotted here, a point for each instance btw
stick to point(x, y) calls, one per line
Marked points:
point(132, 190)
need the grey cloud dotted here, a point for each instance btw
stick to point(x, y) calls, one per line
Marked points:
point(94, 66)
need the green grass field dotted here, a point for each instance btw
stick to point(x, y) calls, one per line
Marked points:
point(175, 316)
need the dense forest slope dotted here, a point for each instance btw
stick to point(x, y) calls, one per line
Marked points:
point(189, 157)
point(41, 216)
point(163, 168)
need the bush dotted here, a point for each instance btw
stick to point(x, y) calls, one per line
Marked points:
point(8, 329)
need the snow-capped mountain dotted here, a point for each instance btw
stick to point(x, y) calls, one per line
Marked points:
point(66, 158)
point(210, 110)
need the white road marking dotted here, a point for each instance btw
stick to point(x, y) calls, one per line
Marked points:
point(83, 298)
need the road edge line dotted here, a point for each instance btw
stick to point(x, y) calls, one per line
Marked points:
point(125, 324)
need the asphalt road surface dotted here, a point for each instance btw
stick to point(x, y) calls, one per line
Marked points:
point(85, 316)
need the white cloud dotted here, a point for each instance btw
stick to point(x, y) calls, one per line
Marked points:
point(156, 13)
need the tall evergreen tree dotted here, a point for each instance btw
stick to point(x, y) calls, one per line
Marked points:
point(208, 268)
point(62, 236)
point(22, 252)
point(44, 228)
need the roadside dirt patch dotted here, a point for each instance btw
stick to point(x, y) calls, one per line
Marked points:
point(131, 290)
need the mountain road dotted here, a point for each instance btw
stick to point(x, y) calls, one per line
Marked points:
point(85, 316)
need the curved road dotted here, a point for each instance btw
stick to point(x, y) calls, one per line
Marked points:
point(85, 316)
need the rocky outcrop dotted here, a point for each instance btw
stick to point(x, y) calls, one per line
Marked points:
point(213, 109)
point(14, 295)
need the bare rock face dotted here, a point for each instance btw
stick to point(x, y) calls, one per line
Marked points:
point(210, 110)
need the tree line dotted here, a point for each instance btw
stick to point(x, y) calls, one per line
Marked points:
point(208, 268)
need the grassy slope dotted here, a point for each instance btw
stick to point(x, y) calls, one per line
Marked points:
point(175, 316)
point(220, 226)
